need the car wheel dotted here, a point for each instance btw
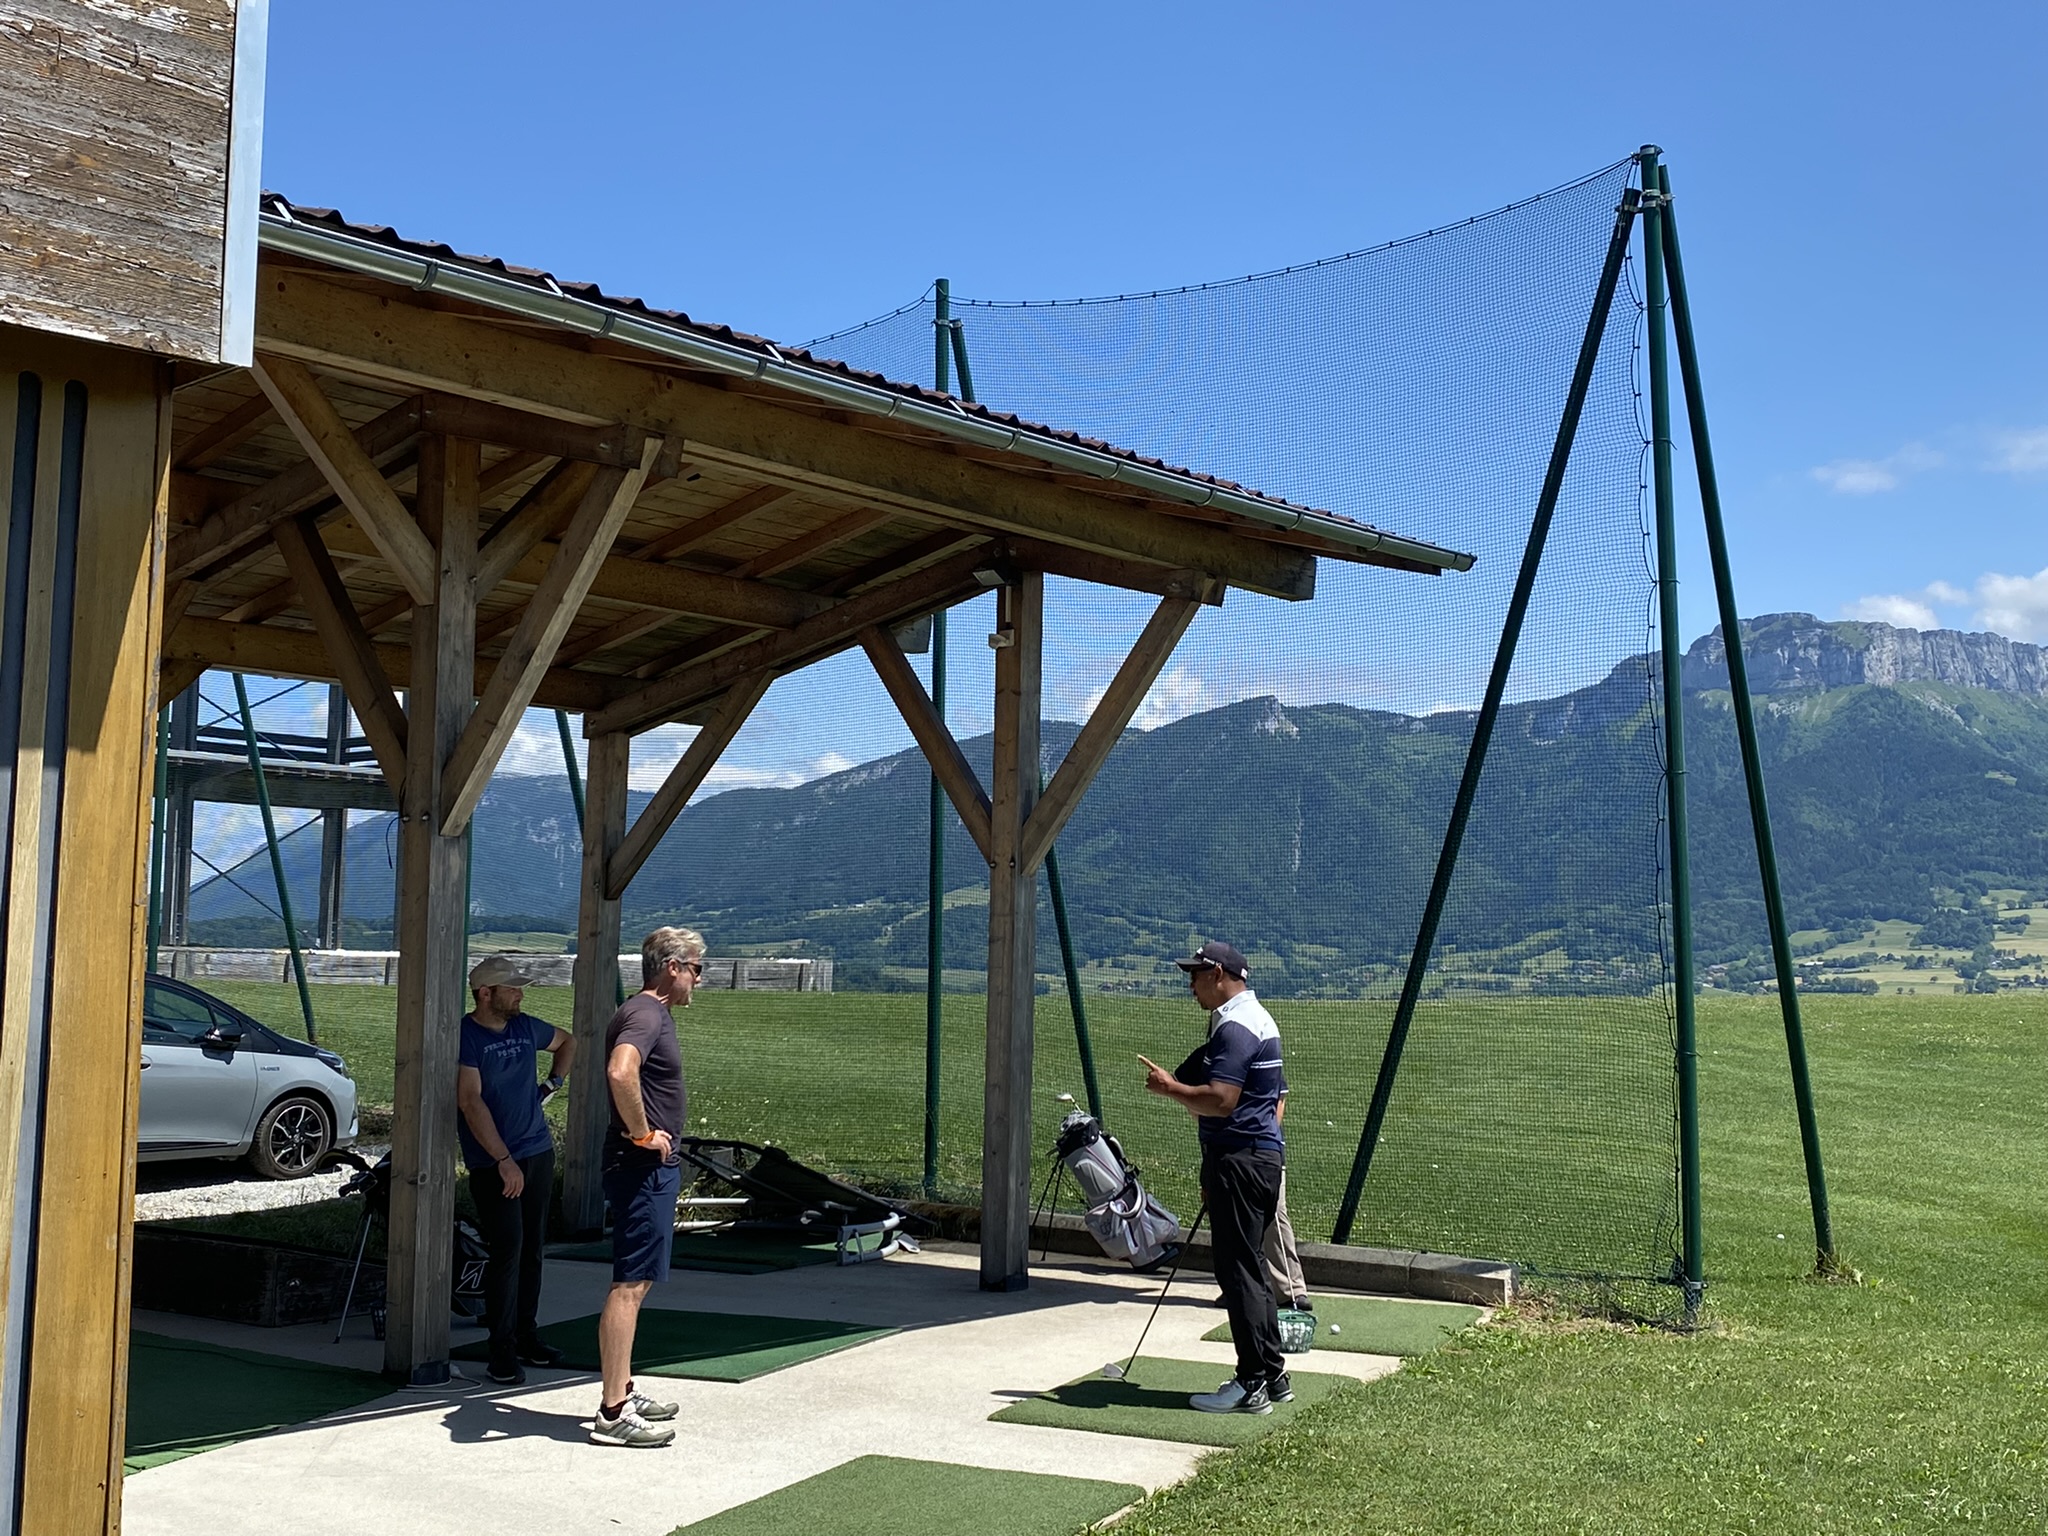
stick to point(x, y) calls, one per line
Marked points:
point(292, 1139)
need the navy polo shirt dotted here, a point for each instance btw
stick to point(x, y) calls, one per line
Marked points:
point(505, 1059)
point(1243, 1048)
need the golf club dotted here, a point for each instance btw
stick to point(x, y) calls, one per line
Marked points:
point(1115, 1372)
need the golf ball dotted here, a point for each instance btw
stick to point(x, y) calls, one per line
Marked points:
point(1336, 1328)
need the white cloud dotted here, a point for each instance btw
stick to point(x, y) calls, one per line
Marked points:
point(1178, 694)
point(1866, 477)
point(2016, 606)
point(1943, 592)
point(1892, 608)
point(2022, 453)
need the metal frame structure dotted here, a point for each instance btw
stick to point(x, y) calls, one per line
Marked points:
point(1666, 303)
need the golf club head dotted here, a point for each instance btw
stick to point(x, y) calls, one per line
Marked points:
point(1112, 1372)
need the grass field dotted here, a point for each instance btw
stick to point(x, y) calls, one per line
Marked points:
point(1915, 1401)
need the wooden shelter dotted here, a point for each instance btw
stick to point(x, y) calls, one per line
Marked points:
point(483, 489)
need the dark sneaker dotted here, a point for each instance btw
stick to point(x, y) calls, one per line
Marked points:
point(506, 1371)
point(538, 1352)
point(1233, 1397)
point(629, 1429)
point(1280, 1389)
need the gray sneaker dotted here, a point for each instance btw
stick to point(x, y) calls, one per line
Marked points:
point(1233, 1397)
point(655, 1413)
point(629, 1429)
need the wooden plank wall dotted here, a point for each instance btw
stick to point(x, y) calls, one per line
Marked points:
point(114, 139)
point(76, 900)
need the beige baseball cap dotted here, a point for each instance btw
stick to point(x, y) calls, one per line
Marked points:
point(497, 971)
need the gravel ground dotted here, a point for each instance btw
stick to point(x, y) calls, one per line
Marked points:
point(209, 1187)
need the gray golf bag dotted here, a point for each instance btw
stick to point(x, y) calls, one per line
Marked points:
point(1129, 1223)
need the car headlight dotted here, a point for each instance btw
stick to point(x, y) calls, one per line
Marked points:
point(332, 1061)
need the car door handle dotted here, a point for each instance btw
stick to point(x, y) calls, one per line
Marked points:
point(145, 1063)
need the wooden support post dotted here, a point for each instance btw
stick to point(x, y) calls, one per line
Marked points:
point(82, 518)
point(431, 925)
point(596, 973)
point(339, 627)
point(1007, 1154)
point(949, 764)
point(683, 781)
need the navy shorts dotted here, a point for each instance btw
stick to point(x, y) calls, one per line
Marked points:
point(643, 1202)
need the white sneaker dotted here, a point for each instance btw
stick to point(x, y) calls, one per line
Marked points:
point(1233, 1397)
point(655, 1413)
point(629, 1429)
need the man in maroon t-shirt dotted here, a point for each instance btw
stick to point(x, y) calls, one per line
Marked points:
point(643, 1067)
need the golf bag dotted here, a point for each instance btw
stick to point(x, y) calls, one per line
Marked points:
point(1127, 1222)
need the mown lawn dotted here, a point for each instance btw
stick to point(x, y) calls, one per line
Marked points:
point(1914, 1401)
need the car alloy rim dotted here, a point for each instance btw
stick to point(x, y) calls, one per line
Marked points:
point(297, 1136)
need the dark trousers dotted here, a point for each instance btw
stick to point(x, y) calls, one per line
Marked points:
point(513, 1230)
point(1243, 1190)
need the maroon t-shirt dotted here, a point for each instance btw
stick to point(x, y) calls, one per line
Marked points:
point(646, 1025)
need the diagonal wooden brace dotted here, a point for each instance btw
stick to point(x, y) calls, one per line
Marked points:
point(949, 765)
point(683, 781)
point(1133, 680)
point(330, 443)
point(341, 629)
point(532, 647)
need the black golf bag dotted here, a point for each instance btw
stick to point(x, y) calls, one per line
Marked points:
point(372, 1181)
point(1127, 1222)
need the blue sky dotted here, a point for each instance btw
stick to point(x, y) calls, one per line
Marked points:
point(1861, 194)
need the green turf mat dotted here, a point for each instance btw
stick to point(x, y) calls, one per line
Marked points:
point(720, 1252)
point(709, 1346)
point(185, 1397)
point(887, 1496)
point(1153, 1404)
point(1378, 1325)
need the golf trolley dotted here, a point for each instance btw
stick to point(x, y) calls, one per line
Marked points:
point(372, 1182)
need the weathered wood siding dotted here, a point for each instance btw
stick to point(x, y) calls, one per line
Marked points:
point(114, 140)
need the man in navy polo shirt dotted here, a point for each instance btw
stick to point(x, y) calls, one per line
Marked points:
point(510, 1153)
point(1232, 1084)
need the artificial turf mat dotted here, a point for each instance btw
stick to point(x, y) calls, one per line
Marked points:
point(731, 1253)
point(708, 1346)
point(185, 1397)
point(886, 1496)
point(1375, 1325)
point(1153, 1404)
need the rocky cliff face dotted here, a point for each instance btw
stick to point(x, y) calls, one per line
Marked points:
point(1792, 652)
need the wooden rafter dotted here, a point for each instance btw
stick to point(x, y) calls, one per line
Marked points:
point(223, 436)
point(547, 619)
point(833, 630)
point(667, 545)
point(948, 763)
point(336, 622)
point(248, 519)
point(1127, 690)
point(683, 781)
point(354, 476)
point(787, 557)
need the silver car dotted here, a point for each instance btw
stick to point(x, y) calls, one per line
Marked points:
point(215, 1083)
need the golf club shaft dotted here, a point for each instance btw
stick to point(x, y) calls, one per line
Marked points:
point(1171, 1274)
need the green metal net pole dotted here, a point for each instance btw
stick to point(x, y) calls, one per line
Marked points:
point(1674, 733)
point(935, 853)
point(576, 798)
point(284, 894)
point(156, 839)
point(1082, 1044)
point(1489, 712)
point(1825, 1257)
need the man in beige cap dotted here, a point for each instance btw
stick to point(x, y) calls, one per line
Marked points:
point(511, 1154)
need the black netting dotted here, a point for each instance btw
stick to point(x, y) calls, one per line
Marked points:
point(1292, 787)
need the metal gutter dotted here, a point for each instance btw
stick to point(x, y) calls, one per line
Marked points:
point(429, 274)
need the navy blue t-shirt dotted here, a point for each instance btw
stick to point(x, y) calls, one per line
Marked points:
point(505, 1060)
point(1243, 1048)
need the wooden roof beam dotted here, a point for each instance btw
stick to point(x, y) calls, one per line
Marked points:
point(412, 347)
point(277, 652)
point(835, 629)
point(948, 763)
point(336, 622)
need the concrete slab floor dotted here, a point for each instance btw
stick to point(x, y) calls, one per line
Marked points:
point(475, 1457)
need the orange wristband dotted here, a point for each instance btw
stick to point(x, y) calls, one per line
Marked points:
point(644, 1141)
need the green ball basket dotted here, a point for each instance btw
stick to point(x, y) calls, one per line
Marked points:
point(1297, 1331)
